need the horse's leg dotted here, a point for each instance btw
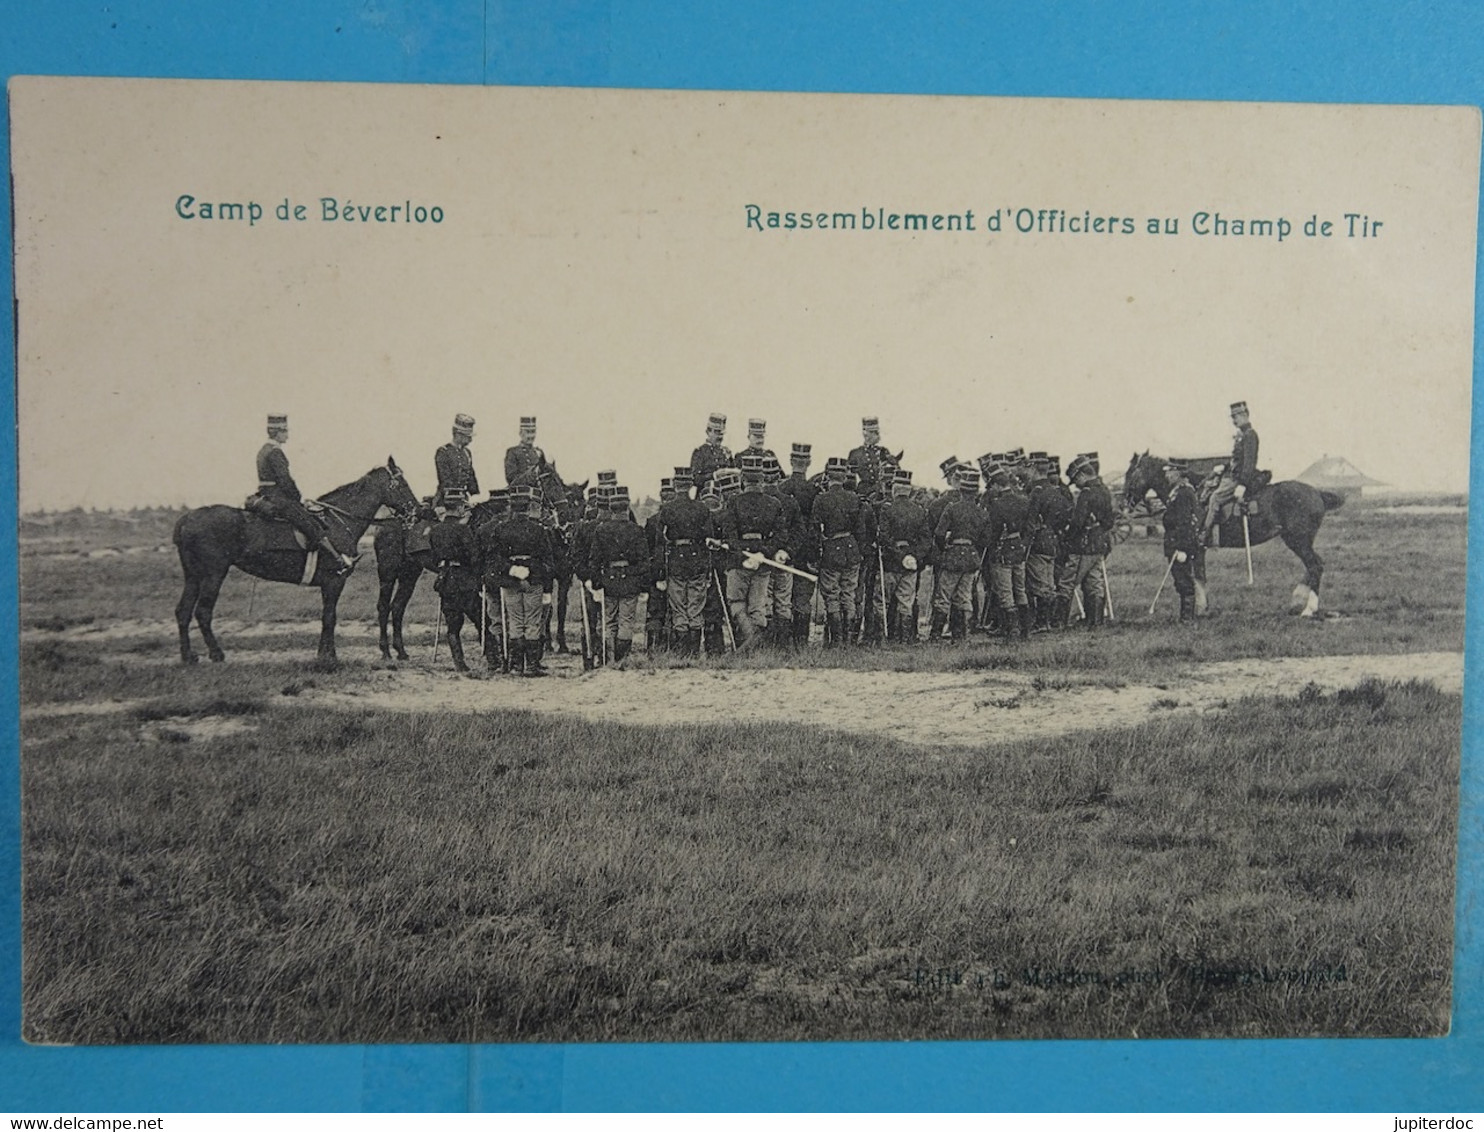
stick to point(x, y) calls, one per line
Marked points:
point(406, 585)
point(329, 600)
point(563, 585)
point(185, 609)
point(210, 588)
point(1303, 546)
point(384, 594)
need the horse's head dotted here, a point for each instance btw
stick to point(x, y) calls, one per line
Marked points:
point(396, 492)
point(1143, 473)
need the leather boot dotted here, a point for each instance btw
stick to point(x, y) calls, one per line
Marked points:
point(1187, 609)
point(534, 667)
point(621, 650)
point(456, 650)
point(834, 629)
point(1026, 618)
point(1094, 611)
point(940, 622)
point(906, 629)
point(1061, 613)
point(958, 627)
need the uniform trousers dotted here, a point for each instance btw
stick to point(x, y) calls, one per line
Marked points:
point(1226, 491)
point(957, 591)
point(781, 593)
point(837, 586)
point(623, 616)
point(1040, 576)
point(873, 599)
point(747, 596)
point(901, 587)
point(524, 611)
point(1007, 584)
point(1084, 572)
point(687, 601)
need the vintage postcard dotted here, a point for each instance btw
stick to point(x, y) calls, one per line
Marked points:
point(606, 565)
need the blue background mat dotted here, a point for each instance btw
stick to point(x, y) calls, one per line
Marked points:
point(1296, 50)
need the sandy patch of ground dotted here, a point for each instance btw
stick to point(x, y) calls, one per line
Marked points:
point(926, 708)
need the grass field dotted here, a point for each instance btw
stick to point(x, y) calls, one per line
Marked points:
point(215, 854)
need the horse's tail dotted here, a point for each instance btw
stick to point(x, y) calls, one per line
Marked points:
point(1332, 502)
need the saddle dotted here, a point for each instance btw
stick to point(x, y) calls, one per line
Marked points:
point(268, 531)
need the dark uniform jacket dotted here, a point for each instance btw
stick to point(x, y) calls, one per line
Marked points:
point(1244, 457)
point(1048, 508)
point(582, 547)
point(870, 462)
point(274, 480)
point(455, 549)
point(1007, 511)
point(935, 509)
point(962, 534)
point(684, 526)
point(455, 467)
point(1183, 518)
point(902, 528)
point(619, 560)
point(518, 541)
point(522, 463)
point(705, 460)
point(750, 522)
point(1092, 520)
point(805, 540)
point(794, 533)
point(845, 525)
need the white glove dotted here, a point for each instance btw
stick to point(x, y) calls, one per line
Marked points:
point(662, 585)
point(545, 599)
point(909, 562)
point(1181, 556)
point(713, 544)
point(781, 558)
point(752, 561)
point(1240, 492)
point(520, 572)
point(593, 588)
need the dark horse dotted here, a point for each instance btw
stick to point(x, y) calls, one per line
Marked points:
point(397, 570)
point(212, 540)
point(1289, 510)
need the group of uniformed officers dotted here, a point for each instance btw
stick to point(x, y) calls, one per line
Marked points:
point(734, 554)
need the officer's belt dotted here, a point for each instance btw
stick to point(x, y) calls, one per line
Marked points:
point(842, 534)
point(620, 562)
point(903, 544)
point(753, 535)
point(520, 558)
point(449, 562)
point(961, 542)
point(267, 483)
point(683, 542)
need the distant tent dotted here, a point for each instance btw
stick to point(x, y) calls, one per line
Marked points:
point(1337, 474)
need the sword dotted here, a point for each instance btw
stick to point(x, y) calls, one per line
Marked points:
point(1168, 570)
point(504, 636)
point(437, 625)
point(764, 560)
point(1247, 542)
point(587, 640)
point(1107, 593)
point(726, 615)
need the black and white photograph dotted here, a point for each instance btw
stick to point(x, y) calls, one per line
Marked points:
point(521, 564)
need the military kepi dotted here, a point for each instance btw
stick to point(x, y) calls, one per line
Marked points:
point(277, 420)
point(463, 424)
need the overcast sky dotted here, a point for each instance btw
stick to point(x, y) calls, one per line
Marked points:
point(595, 267)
